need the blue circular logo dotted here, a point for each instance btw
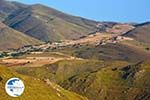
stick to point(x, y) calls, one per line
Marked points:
point(14, 87)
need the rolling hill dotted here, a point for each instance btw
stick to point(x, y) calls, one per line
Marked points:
point(106, 52)
point(75, 56)
point(97, 80)
point(113, 83)
point(10, 38)
point(55, 71)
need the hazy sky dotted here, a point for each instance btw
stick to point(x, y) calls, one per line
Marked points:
point(102, 10)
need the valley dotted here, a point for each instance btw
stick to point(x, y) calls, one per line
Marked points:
point(70, 57)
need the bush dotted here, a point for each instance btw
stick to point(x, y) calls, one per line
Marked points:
point(147, 48)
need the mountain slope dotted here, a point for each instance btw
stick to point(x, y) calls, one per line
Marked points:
point(141, 33)
point(106, 52)
point(113, 83)
point(48, 24)
point(35, 89)
point(10, 38)
point(97, 80)
point(61, 70)
point(7, 8)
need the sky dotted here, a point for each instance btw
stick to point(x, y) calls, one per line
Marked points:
point(101, 10)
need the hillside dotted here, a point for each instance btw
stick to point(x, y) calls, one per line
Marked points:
point(107, 52)
point(141, 33)
point(35, 88)
point(60, 70)
point(113, 83)
point(55, 66)
point(7, 8)
point(10, 38)
point(97, 80)
point(48, 24)
point(64, 57)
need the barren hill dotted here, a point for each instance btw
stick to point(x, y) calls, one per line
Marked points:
point(10, 38)
point(48, 24)
point(7, 8)
point(141, 32)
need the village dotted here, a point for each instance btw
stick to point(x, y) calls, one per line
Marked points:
point(102, 36)
point(93, 39)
